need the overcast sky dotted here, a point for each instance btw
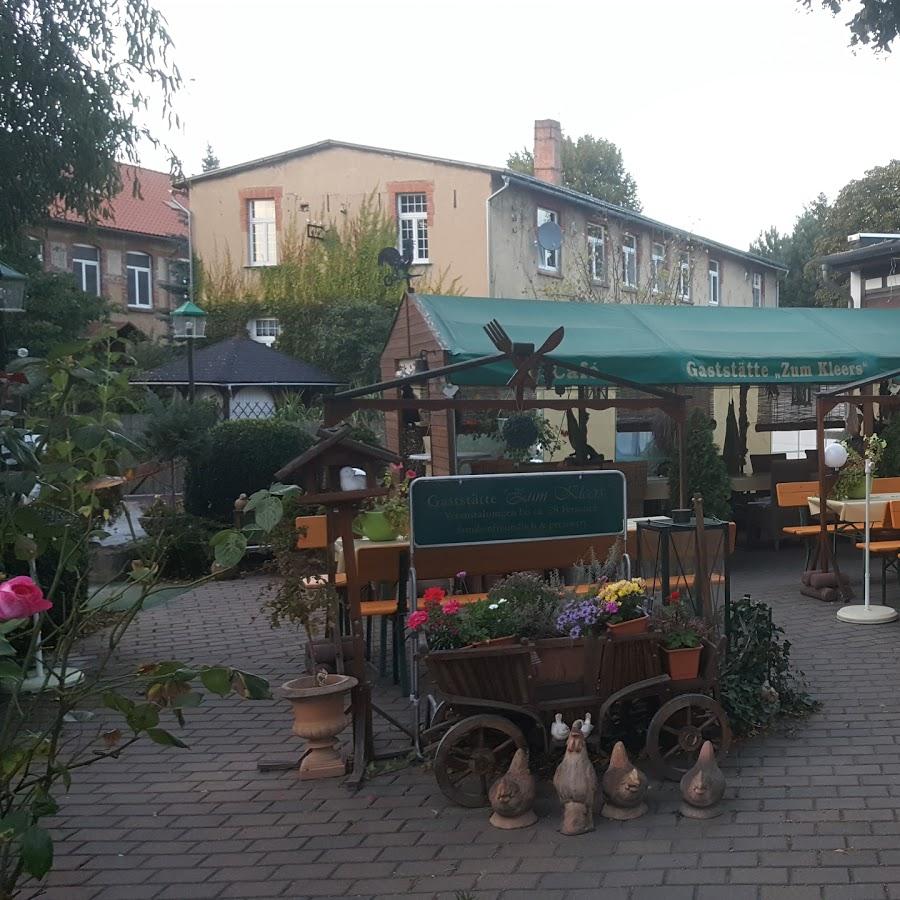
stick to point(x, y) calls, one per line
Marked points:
point(731, 114)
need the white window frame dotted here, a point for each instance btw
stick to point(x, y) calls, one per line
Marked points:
point(134, 272)
point(657, 265)
point(756, 289)
point(684, 277)
point(80, 267)
point(629, 252)
point(715, 285)
point(273, 327)
point(596, 239)
point(548, 260)
point(414, 221)
point(262, 251)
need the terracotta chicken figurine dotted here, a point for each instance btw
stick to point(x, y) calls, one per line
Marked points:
point(703, 786)
point(512, 795)
point(576, 784)
point(624, 787)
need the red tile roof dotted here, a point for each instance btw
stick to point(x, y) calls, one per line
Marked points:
point(142, 209)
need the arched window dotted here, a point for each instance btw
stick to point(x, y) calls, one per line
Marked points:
point(140, 280)
point(86, 268)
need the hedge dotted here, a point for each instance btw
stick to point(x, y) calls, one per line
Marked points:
point(240, 457)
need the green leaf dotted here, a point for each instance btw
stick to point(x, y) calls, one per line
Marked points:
point(25, 547)
point(268, 513)
point(44, 805)
point(187, 701)
point(255, 499)
point(6, 648)
point(229, 548)
point(37, 851)
point(89, 436)
point(143, 718)
point(119, 703)
point(28, 519)
point(251, 686)
point(217, 680)
point(160, 736)
point(9, 669)
point(15, 822)
point(284, 490)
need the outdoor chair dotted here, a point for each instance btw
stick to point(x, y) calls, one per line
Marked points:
point(887, 550)
point(313, 535)
point(761, 463)
point(794, 495)
point(377, 566)
point(765, 517)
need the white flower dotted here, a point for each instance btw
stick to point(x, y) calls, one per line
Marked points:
point(493, 606)
point(503, 600)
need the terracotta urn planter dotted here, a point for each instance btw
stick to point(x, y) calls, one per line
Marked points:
point(632, 626)
point(684, 663)
point(319, 703)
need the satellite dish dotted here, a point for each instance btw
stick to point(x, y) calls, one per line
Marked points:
point(549, 236)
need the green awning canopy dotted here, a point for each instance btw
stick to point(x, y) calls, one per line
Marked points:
point(668, 345)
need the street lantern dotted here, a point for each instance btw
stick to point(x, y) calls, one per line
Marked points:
point(189, 323)
point(12, 289)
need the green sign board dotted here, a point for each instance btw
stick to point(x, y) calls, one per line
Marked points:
point(492, 509)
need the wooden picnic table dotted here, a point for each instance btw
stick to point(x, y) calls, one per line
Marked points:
point(855, 510)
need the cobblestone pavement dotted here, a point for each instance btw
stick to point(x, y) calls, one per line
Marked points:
point(812, 812)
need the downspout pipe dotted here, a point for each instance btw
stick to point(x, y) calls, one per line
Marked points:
point(487, 211)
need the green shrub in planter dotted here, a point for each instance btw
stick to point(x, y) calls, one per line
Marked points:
point(240, 457)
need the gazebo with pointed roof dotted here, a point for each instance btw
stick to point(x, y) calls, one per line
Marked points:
point(240, 365)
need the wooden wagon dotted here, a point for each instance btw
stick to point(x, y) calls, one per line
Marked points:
point(498, 699)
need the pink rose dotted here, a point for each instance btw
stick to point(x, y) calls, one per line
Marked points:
point(417, 619)
point(20, 597)
point(451, 607)
point(410, 474)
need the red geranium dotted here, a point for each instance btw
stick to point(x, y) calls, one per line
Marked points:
point(434, 595)
point(674, 597)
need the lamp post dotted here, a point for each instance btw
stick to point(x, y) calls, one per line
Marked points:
point(189, 323)
point(12, 300)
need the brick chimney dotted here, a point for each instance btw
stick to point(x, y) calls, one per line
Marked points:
point(548, 151)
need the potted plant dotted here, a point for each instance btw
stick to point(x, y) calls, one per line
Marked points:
point(682, 638)
point(851, 484)
point(438, 622)
point(388, 516)
point(623, 607)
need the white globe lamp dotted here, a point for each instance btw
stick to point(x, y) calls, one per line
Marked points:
point(835, 456)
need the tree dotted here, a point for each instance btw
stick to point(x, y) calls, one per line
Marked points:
point(75, 76)
point(797, 250)
point(870, 203)
point(876, 22)
point(591, 165)
point(210, 161)
point(707, 474)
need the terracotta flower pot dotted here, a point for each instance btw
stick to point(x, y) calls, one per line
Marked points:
point(632, 626)
point(319, 716)
point(684, 663)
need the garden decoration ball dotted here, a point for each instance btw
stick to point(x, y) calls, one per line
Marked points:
point(624, 787)
point(512, 795)
point(703, 786)
point(835, 456)
point(576, 785)
point(559, 731)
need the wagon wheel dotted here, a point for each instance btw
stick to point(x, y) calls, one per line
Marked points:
point(443, 719)
point(442, 713)
point(680, 727)
point(472, 755)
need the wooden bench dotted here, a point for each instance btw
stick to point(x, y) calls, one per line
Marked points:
point(795, 495)
point(313, 535)
point(887, 550)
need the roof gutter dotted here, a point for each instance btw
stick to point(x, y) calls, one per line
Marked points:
point(487, 213)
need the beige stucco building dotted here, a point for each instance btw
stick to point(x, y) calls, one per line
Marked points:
point(479, 225)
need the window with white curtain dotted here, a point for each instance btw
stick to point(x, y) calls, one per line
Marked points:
point(548, 260)
point(261, 232)
point(140, 280)
point(629, 261)
point(684, 277)
point(86, 268)
point(596, 237)
point(757, 289)
point(412, 220)
point(658, 264)
point(713, 283)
